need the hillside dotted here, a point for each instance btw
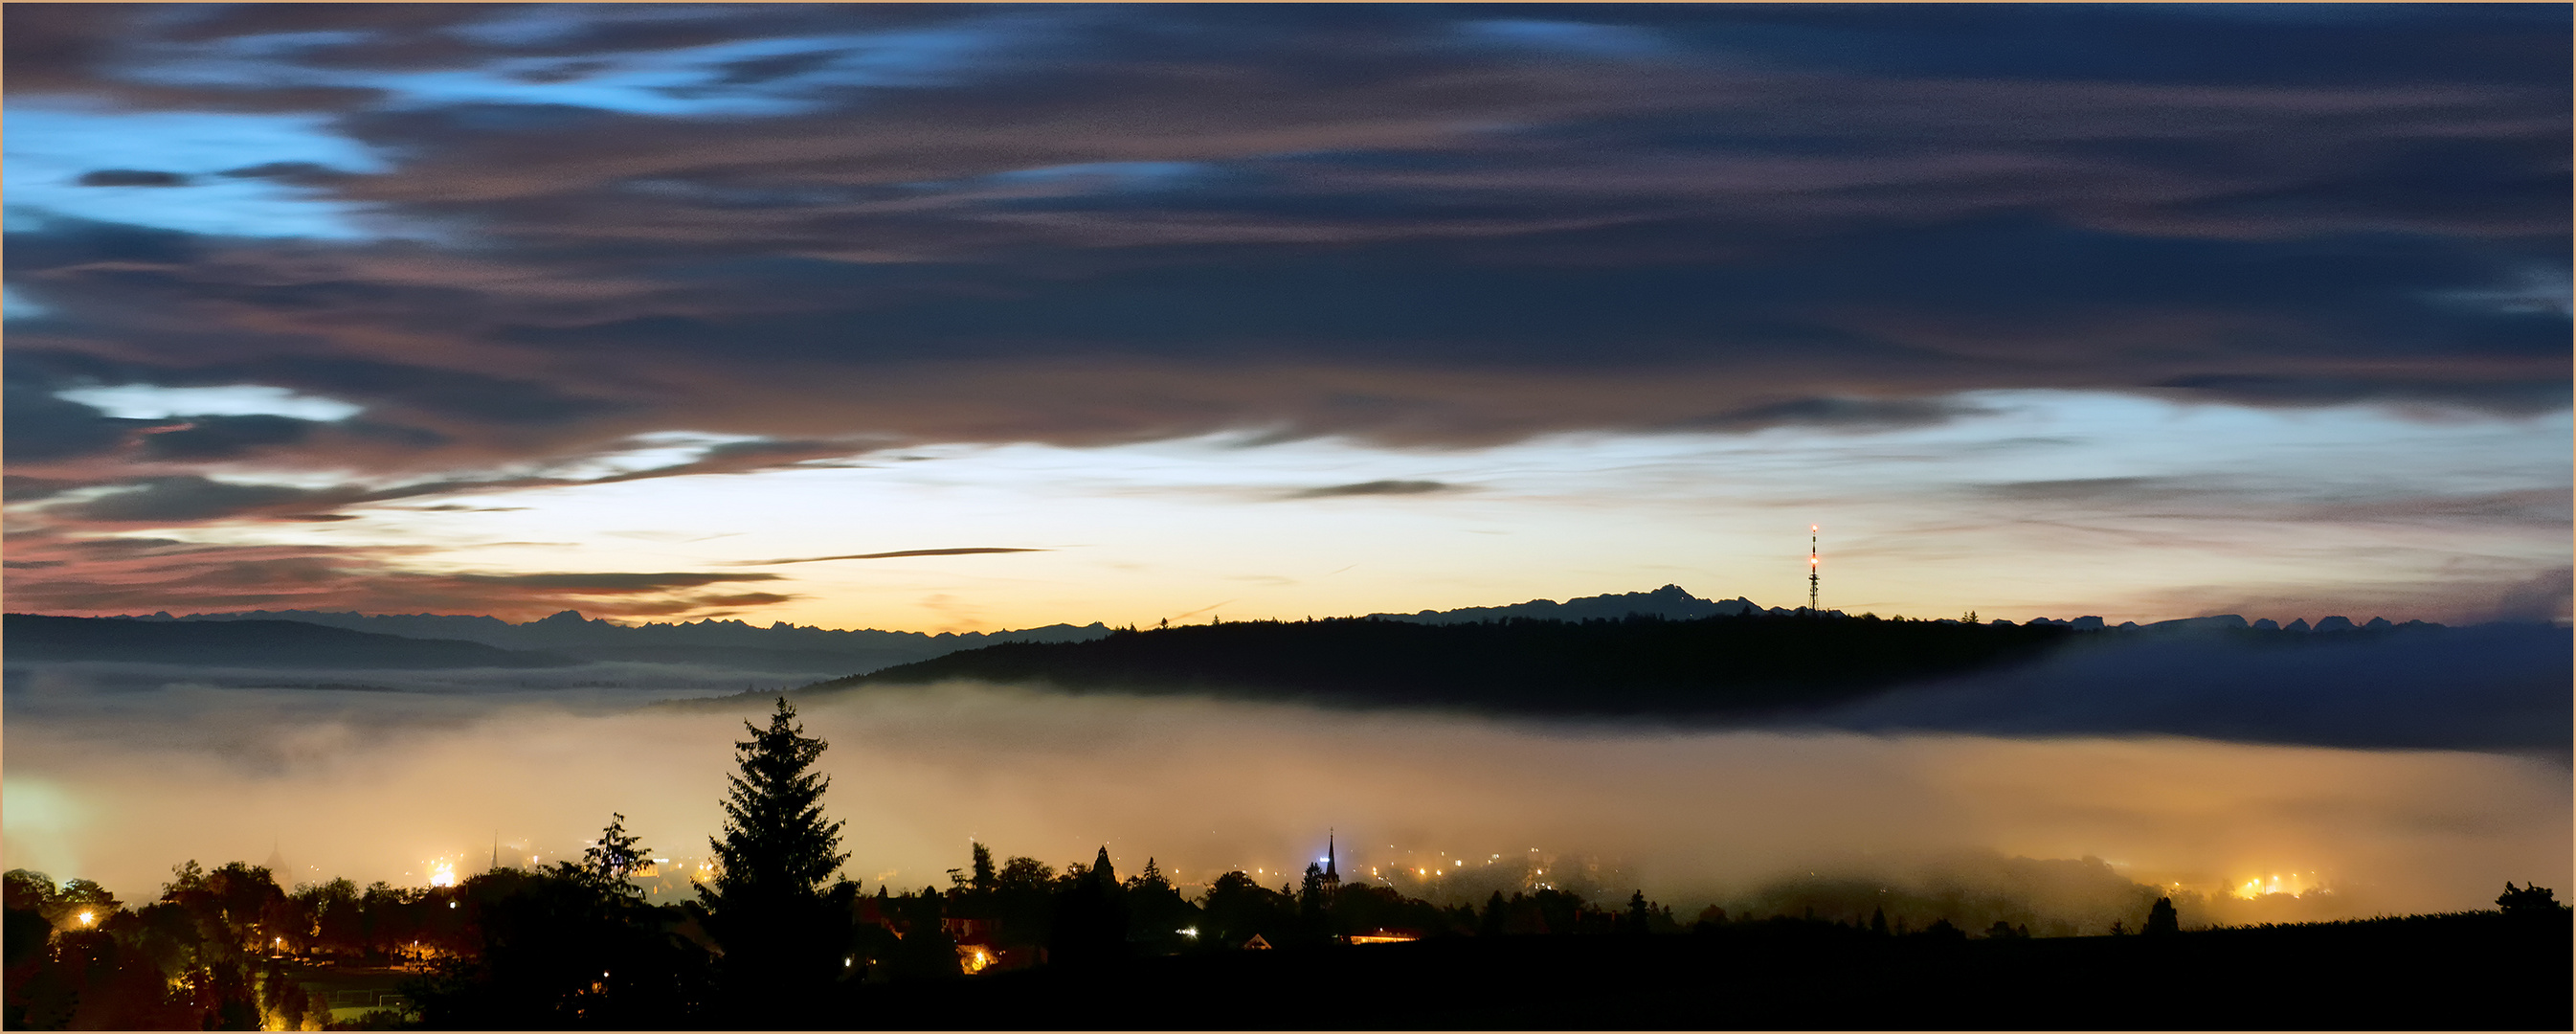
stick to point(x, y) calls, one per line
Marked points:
point(1672, 603)
point(777, 647)
point(1734, 665)
point(247, 644)
point(819, 652)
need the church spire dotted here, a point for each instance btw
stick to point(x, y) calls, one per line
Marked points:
point(1329, 871)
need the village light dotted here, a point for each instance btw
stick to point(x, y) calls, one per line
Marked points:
point(87, 918)
point(1187, 931)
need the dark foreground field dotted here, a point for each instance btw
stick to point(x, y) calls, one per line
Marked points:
point(2472, 972)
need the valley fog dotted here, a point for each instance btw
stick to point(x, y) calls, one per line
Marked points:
point(116, 776)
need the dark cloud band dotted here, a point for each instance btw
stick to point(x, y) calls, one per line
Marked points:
point(962, 551)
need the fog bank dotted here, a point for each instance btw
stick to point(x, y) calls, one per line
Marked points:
point(117, 785)
point(2498, 687)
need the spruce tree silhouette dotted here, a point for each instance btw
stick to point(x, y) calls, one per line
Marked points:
point(2162, 919)
point(982, 879)
point(1156, 912)
point(1090, 926)
point(783, 936)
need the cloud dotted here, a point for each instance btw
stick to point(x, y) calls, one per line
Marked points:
point(222, 437)
point(185, 498)
point(1847, 414)
point(604, 584)
point(42, 427)
point(959, 551)
point(519, 240)
point(132, 178)
point(107, 576)
point(2238, 499)
point(1374, 488)
point(1415, 246)
point(23, 489)
point(2544, 597)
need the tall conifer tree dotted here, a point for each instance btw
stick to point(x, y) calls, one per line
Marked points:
point(781, 933)
point(776, 846)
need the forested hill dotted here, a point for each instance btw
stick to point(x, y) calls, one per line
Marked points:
point(1672, 603)
point(1733, 665)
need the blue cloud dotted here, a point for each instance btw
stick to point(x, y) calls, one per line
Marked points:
point(52, 148)
point(1587, 39)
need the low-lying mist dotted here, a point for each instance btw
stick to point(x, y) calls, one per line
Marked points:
point(118, 778)
point(2498, 687)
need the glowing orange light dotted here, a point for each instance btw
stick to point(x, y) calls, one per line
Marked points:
point(86, 918)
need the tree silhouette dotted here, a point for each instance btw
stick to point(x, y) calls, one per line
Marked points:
point(2162, 919)
point(2533, 900)
point(1237, 907)
point(605, 866)
point(1638, 916)
point(783, 937)
point(1090, 927)
point(926, 952)
point(984, 877)
point(1156, 912)
point(776, 846)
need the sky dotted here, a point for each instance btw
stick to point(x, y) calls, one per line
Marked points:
point(1125, 314)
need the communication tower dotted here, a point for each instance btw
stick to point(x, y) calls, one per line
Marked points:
point(1812, 565)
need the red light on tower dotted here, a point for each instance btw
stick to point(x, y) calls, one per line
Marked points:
point(1812, 568)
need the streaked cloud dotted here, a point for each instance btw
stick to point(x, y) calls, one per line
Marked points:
point(962, 551)
point(157, 402)
point(1387, 487)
